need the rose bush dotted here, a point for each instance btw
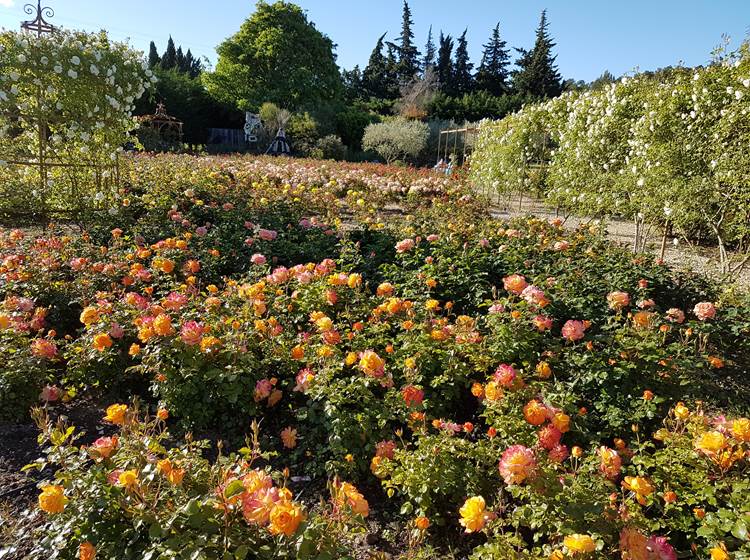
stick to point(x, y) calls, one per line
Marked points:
point(430, 356)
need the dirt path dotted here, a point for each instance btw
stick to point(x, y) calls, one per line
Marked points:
point(622, 232)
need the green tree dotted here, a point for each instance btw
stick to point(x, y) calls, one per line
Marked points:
point(445, 63)
point(277, 55)
point(169, 59)
point(492, 75)
point(375, 75)
point(353, 84)
point(604, 79)
point(153, 55)
point(537, 75)
point(180, 60)
point(429, 53)
point(463, 80)
point(408, 55)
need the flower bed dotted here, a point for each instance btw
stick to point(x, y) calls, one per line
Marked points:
point(507, 389)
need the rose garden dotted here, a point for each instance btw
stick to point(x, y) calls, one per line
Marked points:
point(242, 356)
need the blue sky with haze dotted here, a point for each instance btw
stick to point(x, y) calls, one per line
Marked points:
point(591, 35)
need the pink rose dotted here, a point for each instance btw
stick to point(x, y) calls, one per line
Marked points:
point(405, 245)
point(267, 234)
point(258, 259)
point(573, 330)
point(704, 310)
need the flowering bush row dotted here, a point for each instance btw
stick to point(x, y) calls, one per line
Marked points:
point(505, 379)
point(127, 495)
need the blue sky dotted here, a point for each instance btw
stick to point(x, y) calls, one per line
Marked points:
point(591, 35)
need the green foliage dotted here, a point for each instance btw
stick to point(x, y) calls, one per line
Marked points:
point(396, 139)
point(277, 55)
point(67, 99)
point(537, 75)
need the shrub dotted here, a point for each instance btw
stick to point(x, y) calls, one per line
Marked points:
point(396, 139)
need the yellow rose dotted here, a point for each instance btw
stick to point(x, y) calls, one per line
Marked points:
point(710, 442)
point(117, 414)
point(741, 429)
point(52, 499)
point(128, 479)
point(719, 553)
point(473, 514)
point(579, 544)
point(681, 412)
point(89, 315)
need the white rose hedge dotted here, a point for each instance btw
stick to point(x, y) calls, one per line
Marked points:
point(671, 151)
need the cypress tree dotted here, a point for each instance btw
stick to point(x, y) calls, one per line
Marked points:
point(445, 63)
point(180, 60)
point(492, 75)
point(169, 59)
point(192, 64)
point(374, 77)
point(463, 81)
point(153, 55)
point(429, 53)
point(391, 84)
point(537, 75)
point(408, 55)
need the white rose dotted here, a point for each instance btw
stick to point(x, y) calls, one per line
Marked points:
point(72, 73)
point(75, 60)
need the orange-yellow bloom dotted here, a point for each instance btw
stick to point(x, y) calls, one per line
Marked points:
point(474, 515)
point(117, 414)
point(285, 518)
point(579, 544)
point(102, 341)
point(52, 499)
point(86, 551)
point(289, 437)
point(710, 442)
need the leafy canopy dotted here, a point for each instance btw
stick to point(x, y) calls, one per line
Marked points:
point(277, 55)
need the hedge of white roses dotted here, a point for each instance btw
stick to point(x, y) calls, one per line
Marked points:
point(672, 151)
point(70, 95)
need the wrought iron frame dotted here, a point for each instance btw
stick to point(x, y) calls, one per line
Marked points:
point(38, 25)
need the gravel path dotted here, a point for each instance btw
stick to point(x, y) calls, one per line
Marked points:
point(680, 257)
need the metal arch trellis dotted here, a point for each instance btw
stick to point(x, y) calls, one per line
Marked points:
point(38, 25)
point(45, 160)
point(466, 133)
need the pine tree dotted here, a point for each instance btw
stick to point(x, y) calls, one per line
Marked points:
point(180, 60)
point(392, 80)
point(153, 55)
point(408, 55)
point(352, 79)
point(537, 75)
point(445, 63)
point(429, 53)
point(375, 75)
point(492, 75)
point(463, 81)
point(169, 59)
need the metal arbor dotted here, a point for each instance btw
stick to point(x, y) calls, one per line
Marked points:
point(457, 150)
point(38, 25)
point(166, 127)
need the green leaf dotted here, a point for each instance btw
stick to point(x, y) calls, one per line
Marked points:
point(234, 488)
